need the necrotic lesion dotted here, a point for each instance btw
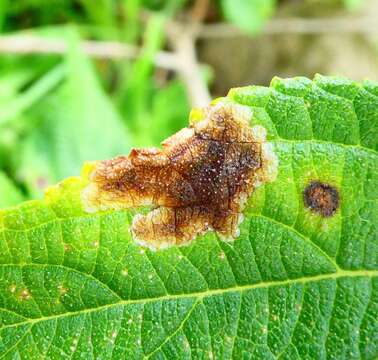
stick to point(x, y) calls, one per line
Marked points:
point(321, 198)
point(199, 181)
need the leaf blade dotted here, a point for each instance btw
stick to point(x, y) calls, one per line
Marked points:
point(294, 285)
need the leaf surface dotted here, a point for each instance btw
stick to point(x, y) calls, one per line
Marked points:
point(294, 285)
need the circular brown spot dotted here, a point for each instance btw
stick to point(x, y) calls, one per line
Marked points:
point(321, 198)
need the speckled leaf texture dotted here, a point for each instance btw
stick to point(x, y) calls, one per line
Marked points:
point(294, 285)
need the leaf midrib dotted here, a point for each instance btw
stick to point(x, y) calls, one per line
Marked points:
point(202, 294)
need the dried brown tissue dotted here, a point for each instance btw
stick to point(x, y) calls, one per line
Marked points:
point(321, 198)
point(199, 180)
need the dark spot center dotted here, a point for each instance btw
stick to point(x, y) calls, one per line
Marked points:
point(321, 198)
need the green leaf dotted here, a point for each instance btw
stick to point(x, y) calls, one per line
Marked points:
point(134, 97)
point(248, 15)
point(294, 285)
point(78, 122)
point(18, 105)
point(10, 195)
point(353, 4)
point(168, 112)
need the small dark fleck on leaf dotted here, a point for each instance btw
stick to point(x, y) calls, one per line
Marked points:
point(321, 198)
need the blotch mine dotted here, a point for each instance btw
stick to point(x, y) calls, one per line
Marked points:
point(199, 181)
point(321, 198)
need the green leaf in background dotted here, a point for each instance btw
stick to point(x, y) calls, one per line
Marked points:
point(131, 9)
point(11, 82)
point(14, 108)
point(169, 111)
point(76, 123)
point(294, 285)
point(248, 15)
point(10, 195)
point(353, 4)
point(101, 11)
point(136, 93)
point(3, 11)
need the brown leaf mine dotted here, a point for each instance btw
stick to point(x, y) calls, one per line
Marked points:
point(199, 181)
point(321, 198)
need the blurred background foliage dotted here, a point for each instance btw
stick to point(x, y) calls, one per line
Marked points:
point(89, 79)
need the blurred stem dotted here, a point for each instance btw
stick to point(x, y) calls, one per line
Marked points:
point(32, 44)
point(183, 41)
point(363, 25)
point(199, 10)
